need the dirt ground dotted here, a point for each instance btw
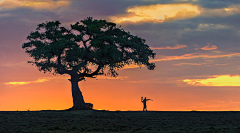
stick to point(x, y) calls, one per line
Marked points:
point(118, 121)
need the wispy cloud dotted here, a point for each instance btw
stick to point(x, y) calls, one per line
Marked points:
point(141, 81)
point(17, 83)
point(40, 80)
point(194, 56)
point(208, 47)
point(204, 27)
point(192, 64)
point(217, 80)
point(15, 64)
point(28, 82)
point(199, 64)
point(35, 4)
point(178, 46)
point(44, 79)
point(208, 27)
point(106, 77)
point(221, 64)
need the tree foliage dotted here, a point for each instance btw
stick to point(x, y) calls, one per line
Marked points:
point(89, 42)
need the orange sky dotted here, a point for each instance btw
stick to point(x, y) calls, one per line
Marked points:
point(197, 61)
point(114, 94)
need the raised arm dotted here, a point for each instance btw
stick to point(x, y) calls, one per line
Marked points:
point(149, 99)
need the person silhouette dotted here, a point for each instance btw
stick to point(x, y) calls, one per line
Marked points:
point(144, 101)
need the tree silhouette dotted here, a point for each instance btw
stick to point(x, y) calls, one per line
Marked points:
point(89, 43)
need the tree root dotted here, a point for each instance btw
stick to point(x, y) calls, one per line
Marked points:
point(83, 108)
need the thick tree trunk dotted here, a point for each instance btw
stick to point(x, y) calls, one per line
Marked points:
point(78, 101)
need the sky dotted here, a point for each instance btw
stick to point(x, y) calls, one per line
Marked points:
point(196, 44)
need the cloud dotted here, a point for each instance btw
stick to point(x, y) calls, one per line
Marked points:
point(141, 81)
point(207, 27)
point(221, 12)
point(203, 27)
point(168, 47)
point(208, 47)
point(174, 11)
point(44, 79)
point(105, 77)
point(194, 56)
point(216, 4)
point(130, 66)
point(23, 83)
point(221, 64)
point(15, 64)
point(199, 64)
point(17, 83)
point(158, 13)
point(40, 80)
point(217, 80)
point(37, 4)
point(192, 64)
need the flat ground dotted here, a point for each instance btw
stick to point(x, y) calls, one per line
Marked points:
point(118, 121)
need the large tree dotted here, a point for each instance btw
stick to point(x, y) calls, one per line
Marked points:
point(88, 43)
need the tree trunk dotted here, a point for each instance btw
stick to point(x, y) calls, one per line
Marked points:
point(78, 101)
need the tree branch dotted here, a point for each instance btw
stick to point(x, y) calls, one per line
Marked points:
point(60, 68)
point(84, 43)
point(92, 74)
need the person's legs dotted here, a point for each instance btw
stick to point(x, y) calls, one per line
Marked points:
point(144, 109)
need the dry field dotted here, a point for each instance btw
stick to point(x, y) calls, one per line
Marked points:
point(118, 121)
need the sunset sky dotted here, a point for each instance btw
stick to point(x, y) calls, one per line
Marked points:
point(196, 44)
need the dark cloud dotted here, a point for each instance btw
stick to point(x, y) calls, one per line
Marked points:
point(221, 31)
point(29, 15)
point(217, 3)
point(168, 70)
point(101, 9)
point(170, 33)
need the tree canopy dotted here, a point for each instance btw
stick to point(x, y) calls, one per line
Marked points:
point(89, 42)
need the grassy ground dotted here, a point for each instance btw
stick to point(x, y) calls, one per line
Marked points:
point(118, 121)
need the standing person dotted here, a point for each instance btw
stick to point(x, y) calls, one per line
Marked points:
point(144, 101)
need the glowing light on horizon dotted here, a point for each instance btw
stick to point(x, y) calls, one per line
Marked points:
point(222, 80)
